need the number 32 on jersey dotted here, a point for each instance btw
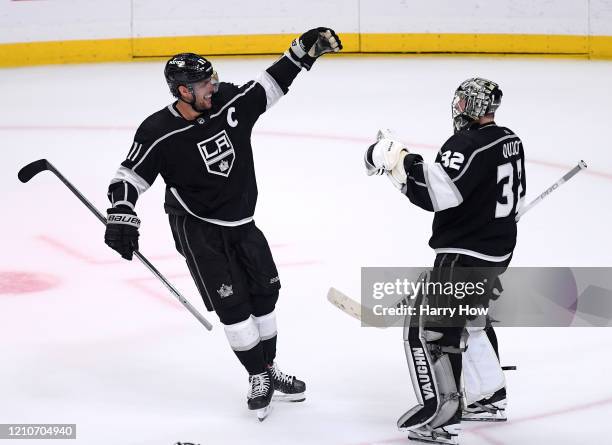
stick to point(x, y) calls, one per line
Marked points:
point(506, 175)
point(452, 160)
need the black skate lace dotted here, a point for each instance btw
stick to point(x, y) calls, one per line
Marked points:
point(489, 408)
point(260, 383)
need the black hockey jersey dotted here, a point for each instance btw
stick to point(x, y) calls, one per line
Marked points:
point(475, 187)
point(207, 163)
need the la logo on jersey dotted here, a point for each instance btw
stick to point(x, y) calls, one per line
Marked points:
point(218, 154)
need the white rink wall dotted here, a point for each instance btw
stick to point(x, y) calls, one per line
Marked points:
point(90, 19)
point(30, 21)
point(193, 17)
point(128, 21)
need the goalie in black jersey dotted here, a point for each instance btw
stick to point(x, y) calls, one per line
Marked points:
point(201, 146)
point(475, 187)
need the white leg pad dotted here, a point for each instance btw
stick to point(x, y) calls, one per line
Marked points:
point(266, 325)
point(243, 335)
point(482, 373)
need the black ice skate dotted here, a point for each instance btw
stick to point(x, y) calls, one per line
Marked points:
point(491, 409)
point(260, 393)
point(290, 388)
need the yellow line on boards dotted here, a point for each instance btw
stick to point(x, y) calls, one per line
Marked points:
point(67, 51)
point(107, 50)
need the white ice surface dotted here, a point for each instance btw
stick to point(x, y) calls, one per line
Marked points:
point(110, 350)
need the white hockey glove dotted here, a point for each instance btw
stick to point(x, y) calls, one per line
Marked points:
point(386, 133)
point(387, 155)
point(398, 176)
point(313, 43)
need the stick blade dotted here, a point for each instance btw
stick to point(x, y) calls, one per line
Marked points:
point(345, 303)
point(32, 169)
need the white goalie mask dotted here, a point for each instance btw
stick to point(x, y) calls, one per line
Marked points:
point(473, 99)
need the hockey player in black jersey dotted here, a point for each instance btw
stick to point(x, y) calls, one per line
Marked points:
point(475, 187)
point(201, 146)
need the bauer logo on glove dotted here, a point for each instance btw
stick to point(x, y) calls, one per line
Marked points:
point(121, 234)
point(124, 219)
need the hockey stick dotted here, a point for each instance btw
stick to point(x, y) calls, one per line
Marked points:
point(34, 168)
point(345, 303)
point(352, 307)
point(566, 177)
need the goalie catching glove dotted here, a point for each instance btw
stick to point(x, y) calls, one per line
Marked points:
point(313, 43)
point(122, 230)
point(387, 156)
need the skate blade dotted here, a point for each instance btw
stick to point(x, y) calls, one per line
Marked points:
point(484, 418)
point(282, 397)
point(263, 413)
point(428, 439)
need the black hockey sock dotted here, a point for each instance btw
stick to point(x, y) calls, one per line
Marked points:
point(493, 339)
point(269, 349)
point(456, 361)
point(253, 359)
point(452, 338)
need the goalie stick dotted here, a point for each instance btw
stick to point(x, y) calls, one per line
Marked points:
point(566, 177)
point(34, 168)
point(353, 308)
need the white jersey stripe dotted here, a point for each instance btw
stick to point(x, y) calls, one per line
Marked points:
point(273, 91)
point(129, 175)
point(432, 196)
point(195, 261)
point(472, 253)
point(125, 203)
point(442, 191)
point(173, 111)
point(137, 152)
point(475, 152)
point(129, 156)
point(233, 100)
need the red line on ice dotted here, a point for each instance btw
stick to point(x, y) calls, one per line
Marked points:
point(560, 412)
point(23, 281)
point(478, 430)
point(65, 248)
point(79, 255)
point(358, 139)
point(165, 296)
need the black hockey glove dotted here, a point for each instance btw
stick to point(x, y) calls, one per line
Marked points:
point(122, 230)
point(312, 44)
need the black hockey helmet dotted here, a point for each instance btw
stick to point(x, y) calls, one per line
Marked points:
point(186, 69)
point(475, 98)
